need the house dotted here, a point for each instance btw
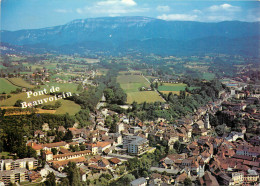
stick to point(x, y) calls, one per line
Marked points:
point(172, 140)
point(251, 176)
point(170, 161)
point(139, 182)
point(98, 147)
point(59, 165)
point(39, 133)
point(198, 124)
point(47, 155)
point(71, 155)
point(62, 129)
point(238, 178)
point(33, 176)
point(75, 132)
point(103, 163)
point(224, 179)
point(45, 127)
point(246, 150)
point(114, 161)
point(133, 130)
point(117, 137)
point(255, 140)
point(233, 136)
point(36, 147)
point(180, 179)
point(120, 127)
point(57, 145)
point(208, 180)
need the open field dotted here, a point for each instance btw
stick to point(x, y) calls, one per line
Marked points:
point(208, 76)
point(69, 107)
point(66, 105)
point(142, 96)
point(51, 66)
point(172, 87)
point(133, 87)
point(34, 67)
point(6, 155)
point(131, 84)
point(20, 82)
point(166, 88)
point(64, 87)
point(46, 65)
point(132, 79)
point(130, 72)
point(6, 86)
point(23, 96)
point(2, 67)
point(24, 111)
point(173, 92)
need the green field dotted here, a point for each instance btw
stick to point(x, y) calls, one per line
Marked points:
point(20, 82)
point(6, 86)
point(22, 96)
point(51, 66)
point(6, 155)
point(46, 65)
point(2, 67)
point(131, 84)
point(208, 76)
point(132, 79)
point(69, 107)
point(142, 96)
point(34, 67)
point(172, 87)
point(66, 105)
point(64, 87)
point(166, 88)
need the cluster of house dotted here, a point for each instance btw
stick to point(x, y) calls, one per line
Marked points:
point(213, 161)
point(227, 160)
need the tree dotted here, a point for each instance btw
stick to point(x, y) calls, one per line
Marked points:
point(18, 103)
point(68, 136)
point(54, 151)
point(57, 104)
point(82, 147)
point(145, 174)
point(31, 152)
point(73, 174)
point(152, 86)
point(187, 181)
point(65, 182)
point(134, 106)
point(220, 129)
point(177, 146)
point(156, 85)
point(80, 87)
point(76, 148)
point(127, 179)
point(50, 180)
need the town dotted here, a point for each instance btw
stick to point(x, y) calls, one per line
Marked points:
point(215, 144)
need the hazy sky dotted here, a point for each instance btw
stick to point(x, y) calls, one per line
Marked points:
point(27, 14)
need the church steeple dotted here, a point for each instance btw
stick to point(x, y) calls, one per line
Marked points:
point(206, 123)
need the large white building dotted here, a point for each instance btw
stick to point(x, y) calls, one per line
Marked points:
point(135, 145)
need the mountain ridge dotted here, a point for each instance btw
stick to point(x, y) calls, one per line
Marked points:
point(113, 31)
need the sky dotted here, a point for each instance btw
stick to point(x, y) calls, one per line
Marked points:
point(31, 14)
